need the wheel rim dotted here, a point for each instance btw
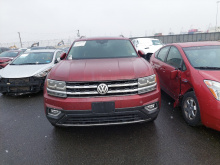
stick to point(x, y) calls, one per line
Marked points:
point(190, 108)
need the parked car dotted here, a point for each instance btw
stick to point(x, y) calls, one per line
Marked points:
point(39, 47)
point(22, 49)
point(66, 49)
point(2, 49)
point(147, 45)
point(7, 56)
point(26, 73)
point(190, 74)
point(101, 81)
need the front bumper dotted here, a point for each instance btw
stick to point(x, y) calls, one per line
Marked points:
point(17, 86)
point(91, 118)
point(115, 109)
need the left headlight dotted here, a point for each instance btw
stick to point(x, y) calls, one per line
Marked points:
point(214, 88)
point(147, 84)
point(43, 73)
point(56, 88)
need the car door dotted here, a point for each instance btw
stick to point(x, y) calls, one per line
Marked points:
point(158, 64)
point(172, 69)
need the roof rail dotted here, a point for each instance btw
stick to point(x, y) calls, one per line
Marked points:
point(121, 36)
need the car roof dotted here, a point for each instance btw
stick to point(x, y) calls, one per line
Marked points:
point(145, 39)
point(101, 38)
point(194, 44)
point(13, 51)
point(43, 50)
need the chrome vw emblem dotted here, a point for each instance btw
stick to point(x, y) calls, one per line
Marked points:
point(102, 89)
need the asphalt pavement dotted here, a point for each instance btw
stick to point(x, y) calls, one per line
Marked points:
point(27, 138)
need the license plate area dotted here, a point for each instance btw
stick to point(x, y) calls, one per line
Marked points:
point(19, 89)
point(103, 107)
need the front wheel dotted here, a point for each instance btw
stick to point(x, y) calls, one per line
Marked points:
point(190, 109)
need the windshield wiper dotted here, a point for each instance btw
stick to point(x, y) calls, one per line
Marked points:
point(25, 64)
point(208, 68)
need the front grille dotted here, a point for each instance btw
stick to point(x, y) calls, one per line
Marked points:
point(17, 81)
point(20, 89)
point(88, 89)
point(21, 85)
point(102, 120)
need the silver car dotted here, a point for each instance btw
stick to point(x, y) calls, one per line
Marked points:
point(26, 73)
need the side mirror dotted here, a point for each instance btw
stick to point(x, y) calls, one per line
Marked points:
point(141, 53)
point(173, 74)
point(63, 55)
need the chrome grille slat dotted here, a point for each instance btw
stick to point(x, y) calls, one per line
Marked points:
point(87, 89)
point(83, 87)
point(123, 85)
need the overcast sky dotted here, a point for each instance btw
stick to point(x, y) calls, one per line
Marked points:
point(60, 19)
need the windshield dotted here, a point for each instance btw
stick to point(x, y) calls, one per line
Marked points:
point(9, 54)
point(156, 42)
point(34, 58)
point(204, 57)
point(98, 49)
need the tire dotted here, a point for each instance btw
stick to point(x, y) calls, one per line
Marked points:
point(3, 93)
point(190, 109)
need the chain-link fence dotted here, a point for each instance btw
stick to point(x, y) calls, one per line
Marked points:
point(26, 44)
point(186, 37)
point(215, 36)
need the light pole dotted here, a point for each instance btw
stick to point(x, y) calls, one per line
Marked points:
point(216, 16)
point(20, 39)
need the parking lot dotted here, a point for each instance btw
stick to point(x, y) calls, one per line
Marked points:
point(26, 137)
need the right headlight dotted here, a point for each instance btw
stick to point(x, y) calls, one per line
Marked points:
point(56, 88)
point(147, 84)
point(214, 88)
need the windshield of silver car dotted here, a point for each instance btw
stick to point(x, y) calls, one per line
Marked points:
point(34, 58)
point(98, 49)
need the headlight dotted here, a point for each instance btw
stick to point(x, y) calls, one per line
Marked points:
point(147, 84)
point(56, 88)
point(214, 88)
point(43, 73)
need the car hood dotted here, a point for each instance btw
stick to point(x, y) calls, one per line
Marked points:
point(5, 59)
point(18, 71)
point(210, 75)
point(101, 69)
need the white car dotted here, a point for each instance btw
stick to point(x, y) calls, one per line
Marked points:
point(147, 45)
point(26, 73)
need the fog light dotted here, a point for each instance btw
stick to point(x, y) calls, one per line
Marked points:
point(54, 112)
point(151, 107)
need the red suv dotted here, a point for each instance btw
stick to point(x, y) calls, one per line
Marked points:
point(190, 73)
point(101, 81)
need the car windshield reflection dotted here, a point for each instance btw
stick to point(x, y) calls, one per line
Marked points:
point(204, 57)
point(99, 49)
point(34, 58)
point(9, 54)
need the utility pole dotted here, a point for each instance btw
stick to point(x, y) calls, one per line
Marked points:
point(78, 35)
point(20, 39)
point(216, 17)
